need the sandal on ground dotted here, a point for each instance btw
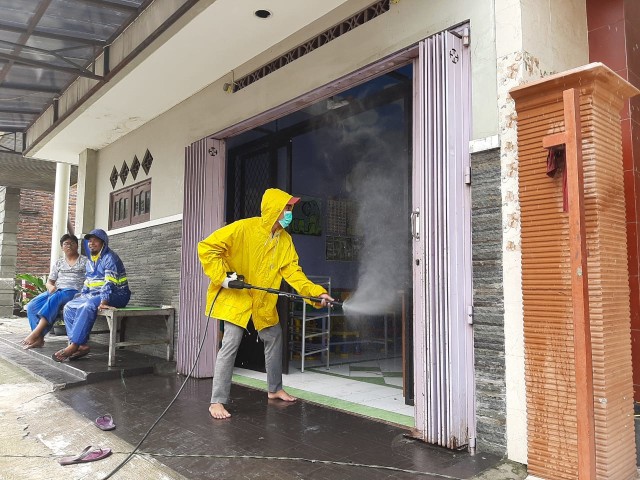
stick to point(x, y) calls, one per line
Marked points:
point(105, 422)
point(61, 356)
point(81, 352)
point(89, 454)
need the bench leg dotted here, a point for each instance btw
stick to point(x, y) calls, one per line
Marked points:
point(170, 333)
point(113, 332)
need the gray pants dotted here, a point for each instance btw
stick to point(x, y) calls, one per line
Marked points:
point(272, 338)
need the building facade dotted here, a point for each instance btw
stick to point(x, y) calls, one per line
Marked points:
point(170, 143)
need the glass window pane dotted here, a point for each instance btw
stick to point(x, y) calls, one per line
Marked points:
point(147, 203)
point(136, 205)
point(125, 210)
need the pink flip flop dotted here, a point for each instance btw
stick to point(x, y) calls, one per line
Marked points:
point(89, 454)
point(105, 422)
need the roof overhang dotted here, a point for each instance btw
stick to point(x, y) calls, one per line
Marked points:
point(173, 68)
point(17, 171)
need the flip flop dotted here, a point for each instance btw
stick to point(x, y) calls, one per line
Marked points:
point(105, 422)
point(89, 454)
point(79, 354)
point(63, 356)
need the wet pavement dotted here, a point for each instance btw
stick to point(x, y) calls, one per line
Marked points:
point(264, 438)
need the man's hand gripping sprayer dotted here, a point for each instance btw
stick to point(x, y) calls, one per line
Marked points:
point(236, 281)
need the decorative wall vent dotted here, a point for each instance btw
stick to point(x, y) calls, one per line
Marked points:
point(360, 18)
point(113, 178)
point(146, 162)
point(124, 172)
point(135, 167)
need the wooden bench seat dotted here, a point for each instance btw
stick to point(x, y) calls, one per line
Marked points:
point(117, 319)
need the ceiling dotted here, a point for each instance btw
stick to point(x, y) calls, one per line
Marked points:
point(127, 101)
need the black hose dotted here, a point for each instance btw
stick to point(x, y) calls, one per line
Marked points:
point(174, 398)
point(237, 284)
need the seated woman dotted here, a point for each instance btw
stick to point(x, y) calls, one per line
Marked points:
point(65, 281)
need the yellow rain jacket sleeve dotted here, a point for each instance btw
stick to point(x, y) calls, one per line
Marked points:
point(249, 248)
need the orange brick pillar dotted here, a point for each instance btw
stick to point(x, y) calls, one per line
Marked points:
point(563, 323)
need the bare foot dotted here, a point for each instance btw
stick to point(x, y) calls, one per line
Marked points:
point(282, 395)
point(39, 342)
point(29, 339)
point(65, 353)
point(217, 411)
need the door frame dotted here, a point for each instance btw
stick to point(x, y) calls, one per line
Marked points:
point(384, 65)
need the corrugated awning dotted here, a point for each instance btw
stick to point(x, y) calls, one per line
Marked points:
point(46, 44)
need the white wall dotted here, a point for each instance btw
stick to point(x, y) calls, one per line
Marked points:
point(212, 110)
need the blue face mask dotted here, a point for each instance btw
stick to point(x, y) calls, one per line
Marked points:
point(286, 220)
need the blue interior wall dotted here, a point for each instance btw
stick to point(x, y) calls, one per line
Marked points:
point(357, 136)
point(324, 163)
point(318, 171)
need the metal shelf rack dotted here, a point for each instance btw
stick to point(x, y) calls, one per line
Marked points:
point(313, 335)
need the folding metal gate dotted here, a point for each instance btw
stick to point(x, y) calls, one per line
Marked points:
point(203, 212)
point(443, 354)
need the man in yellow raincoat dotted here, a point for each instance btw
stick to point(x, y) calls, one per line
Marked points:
point(260, 249)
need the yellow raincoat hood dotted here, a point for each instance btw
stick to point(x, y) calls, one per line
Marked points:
point(248, 247)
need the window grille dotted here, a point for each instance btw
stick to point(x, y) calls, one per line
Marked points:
point(360, 18)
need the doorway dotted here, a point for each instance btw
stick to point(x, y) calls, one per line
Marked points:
point(349, 159)
point(439, 306)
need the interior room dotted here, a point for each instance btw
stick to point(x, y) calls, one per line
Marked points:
point(348, 157)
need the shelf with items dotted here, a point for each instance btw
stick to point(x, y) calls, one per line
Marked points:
point(310, 332)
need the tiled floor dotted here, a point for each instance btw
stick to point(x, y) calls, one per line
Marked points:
point(372, 388)
point(386, 371)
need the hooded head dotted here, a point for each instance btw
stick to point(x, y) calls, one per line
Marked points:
point(273, 202)
point(100, 235)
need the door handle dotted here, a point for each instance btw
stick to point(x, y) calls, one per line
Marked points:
point(415, 224)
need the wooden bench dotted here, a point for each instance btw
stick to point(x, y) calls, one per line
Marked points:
point(116, 320)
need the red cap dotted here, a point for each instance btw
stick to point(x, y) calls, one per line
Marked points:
point(293, 200)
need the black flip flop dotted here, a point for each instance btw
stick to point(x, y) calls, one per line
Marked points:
point(60, 360)
point(79, 354)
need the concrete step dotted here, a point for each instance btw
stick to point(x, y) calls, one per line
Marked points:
point(58, 378)
point(89, 369)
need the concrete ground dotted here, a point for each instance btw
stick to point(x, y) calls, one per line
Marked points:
point(263, 439)
point(37, 429)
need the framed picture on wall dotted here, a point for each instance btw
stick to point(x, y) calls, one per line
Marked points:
point(307, 216)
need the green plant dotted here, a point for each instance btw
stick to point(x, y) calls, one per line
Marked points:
point(27, 287)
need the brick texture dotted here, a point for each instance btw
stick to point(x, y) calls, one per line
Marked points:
point(34, 230)
point(152, 259)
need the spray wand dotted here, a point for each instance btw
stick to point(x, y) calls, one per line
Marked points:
point(240, 284)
